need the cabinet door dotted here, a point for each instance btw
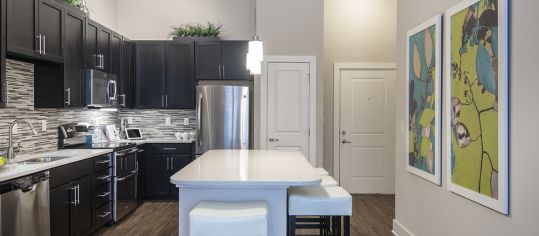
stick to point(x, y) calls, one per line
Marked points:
point(61, 201)
point(81, 221)
point(180, 75)
point(150, 75)
point(234, 60)
point(74, 60)
point(2, 54)
point(208, 61)
point(125, 75)
point(92, 36)
point(50, 26)
point(178, 163)
point(158, 176)
point(21, 27)
point(141, 180)
point(105, 37)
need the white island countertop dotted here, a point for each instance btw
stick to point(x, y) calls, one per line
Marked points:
point(248, 168)
point(16, 170)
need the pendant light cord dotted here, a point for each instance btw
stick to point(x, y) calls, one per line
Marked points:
point(255, 36)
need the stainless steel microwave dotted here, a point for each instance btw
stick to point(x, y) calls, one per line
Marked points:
point(101, 89)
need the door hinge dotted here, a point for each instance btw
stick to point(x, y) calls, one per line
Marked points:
point(309, 76)
point(309, 132)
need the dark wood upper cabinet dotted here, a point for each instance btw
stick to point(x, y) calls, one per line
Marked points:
point(125, 78)
point(50, 27)
point(234, 60)
point(35, 28)
point(208, 61)
point(149, 75)
point(222, 60)
point(116, 55)
point(92, 52)
point(180, 75)
point(22, 27)
point(105, 38)
point(74, 59)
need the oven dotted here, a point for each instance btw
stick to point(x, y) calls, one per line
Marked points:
point(125, 182)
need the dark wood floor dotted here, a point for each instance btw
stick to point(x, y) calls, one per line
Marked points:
point(373, 215)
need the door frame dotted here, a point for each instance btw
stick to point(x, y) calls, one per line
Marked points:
point(337, 69)
point(312, 99)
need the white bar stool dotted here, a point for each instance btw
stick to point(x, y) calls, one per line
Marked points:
point(326, 202)
point(321, 171)
point(210, 218)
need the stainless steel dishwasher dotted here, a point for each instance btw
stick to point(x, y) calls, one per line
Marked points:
point(25, 206)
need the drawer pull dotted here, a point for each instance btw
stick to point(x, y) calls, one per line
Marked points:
point(169, 149)
point(104, 215)
point(103, 162)
point(104, 194)
point(103, 177)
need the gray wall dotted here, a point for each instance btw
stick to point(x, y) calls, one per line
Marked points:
point(426, 209)
point(354, 31)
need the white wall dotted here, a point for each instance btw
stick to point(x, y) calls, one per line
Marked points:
point(427, 209)
point(153, 19)
point(104, 12)
point(354, 31)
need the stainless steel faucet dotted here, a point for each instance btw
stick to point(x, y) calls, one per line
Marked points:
point(11, 150)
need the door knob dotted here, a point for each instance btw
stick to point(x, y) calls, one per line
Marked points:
point(273, 139)
point(344, 141)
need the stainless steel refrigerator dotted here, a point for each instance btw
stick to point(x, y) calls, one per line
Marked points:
point(223, 117)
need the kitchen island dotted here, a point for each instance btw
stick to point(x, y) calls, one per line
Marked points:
point(244, 175)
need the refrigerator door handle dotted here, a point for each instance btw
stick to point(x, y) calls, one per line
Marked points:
point(199, 119)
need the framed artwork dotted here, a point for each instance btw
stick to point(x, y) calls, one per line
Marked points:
point(476, 96)
point(423, 100)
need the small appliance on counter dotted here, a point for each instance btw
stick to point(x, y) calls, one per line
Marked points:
point(133, 134)
point(125, 166)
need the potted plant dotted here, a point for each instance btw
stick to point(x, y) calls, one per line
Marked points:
point(81, 4)
point(197, 32)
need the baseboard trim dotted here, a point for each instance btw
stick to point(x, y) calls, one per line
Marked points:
point(399, 229)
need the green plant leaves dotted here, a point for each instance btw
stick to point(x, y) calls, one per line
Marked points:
point(197, 30)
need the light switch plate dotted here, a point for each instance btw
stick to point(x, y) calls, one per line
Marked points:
point(167, 120)
point(186, 121)
point(129, 120)
point(44, 125)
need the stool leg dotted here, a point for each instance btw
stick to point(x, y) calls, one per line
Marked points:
point(291, 225)
point(347, 226)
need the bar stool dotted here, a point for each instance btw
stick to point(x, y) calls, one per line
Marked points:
point(210, 218)
point(321, 171)
point(325, 202)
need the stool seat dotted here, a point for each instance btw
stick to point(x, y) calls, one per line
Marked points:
point(210, 218)
point(319, 201)
point(328, 181)
point(321, 171)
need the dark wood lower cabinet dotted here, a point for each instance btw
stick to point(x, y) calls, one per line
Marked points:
point(71, 208)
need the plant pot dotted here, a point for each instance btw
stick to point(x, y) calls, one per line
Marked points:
point(182, 38)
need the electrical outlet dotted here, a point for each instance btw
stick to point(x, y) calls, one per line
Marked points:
point(186, 121)
point(167, 120)
point(44, 125)
point(129, 120)
point(15, 129)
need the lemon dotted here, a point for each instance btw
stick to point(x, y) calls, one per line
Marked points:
point(3, 161)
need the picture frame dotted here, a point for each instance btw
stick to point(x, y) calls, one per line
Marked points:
point(424, 100)
point(476, 102)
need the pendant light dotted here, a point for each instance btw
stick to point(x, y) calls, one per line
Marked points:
point(256, 49)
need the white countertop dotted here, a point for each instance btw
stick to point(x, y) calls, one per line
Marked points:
point(15, 170)
point(248, 168)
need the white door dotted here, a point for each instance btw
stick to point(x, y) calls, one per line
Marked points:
point(288, 107)
point(367, 131)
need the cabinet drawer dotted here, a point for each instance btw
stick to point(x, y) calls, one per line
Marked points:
point(103, 162)
point(103, 195)
point(102, 177)
point(103, 215)
point(67, 173)
point(182, 148)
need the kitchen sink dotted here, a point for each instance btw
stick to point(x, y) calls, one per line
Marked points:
point(41, 160)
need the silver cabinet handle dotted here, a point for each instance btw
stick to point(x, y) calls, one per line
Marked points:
point(168, 163)
point(77, 200)
point(223, 71)
point(74, 189)
point(199, 120)
point(169, 149)
point(40, 42)
point(220, 72)
point(171, 163)
point(105, 194)
point(104, 215)
point(68, 102)
point(344, 141)
point(103, 177)
point(162, 100)
point(166, 100)
point(123, 96)
point(44, 45)
point(121, 164)
point(273, 139)
point(102, 61)
point(103, 162)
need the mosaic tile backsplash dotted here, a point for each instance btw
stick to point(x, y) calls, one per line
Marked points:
point(20, 94)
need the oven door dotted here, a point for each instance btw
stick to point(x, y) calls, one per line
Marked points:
point(125, 200)
point(125, 162)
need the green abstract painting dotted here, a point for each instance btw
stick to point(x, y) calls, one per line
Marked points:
point(424, 100)
point(476, 83)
